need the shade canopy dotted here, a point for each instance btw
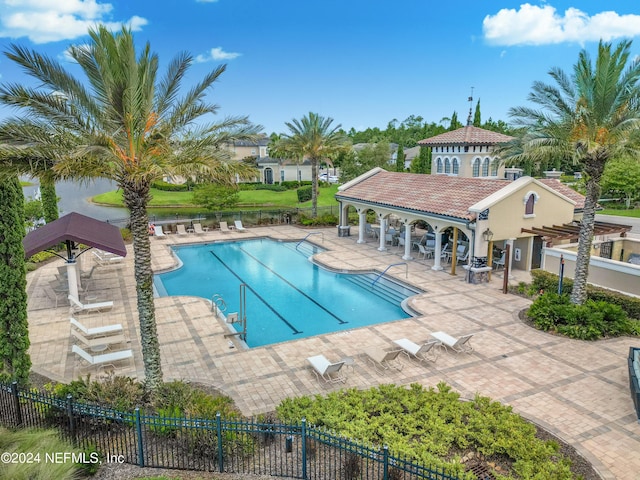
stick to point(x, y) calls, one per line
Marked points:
point(77, 228)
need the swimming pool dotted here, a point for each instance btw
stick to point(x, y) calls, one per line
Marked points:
point(287, 296)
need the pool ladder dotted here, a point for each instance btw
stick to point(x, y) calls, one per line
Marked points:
point(406, 271)
point(241, 316)
point(218, 305)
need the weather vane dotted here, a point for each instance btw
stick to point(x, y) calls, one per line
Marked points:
point(470, 107)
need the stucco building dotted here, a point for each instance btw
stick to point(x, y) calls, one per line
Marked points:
point(466, 152)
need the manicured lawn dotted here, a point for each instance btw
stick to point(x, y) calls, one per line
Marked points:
point(248, 198)
point(633, 212)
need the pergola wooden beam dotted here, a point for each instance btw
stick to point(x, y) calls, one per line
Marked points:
point(571, 230)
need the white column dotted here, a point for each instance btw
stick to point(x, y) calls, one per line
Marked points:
point(407, 241)
point(437, 251)
point(362, 219)
point(72, 278)
point(383, 232)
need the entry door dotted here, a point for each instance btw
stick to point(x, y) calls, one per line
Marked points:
point(536, 253)
point(268, 176)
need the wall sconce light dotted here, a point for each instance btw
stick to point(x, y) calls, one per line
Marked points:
point(487, 235)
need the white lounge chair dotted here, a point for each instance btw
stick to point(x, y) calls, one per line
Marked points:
point(500, 262)
point(113, 329)
point(96, 343)
point(224, 228)
point(239, 227)
point(181, 229)
point(157, 232)
point(78, 307)
point(426, 351)
point(461, 345)
point(199, 229)
point(383, 360)
point(102, 358)
point(329, 372)
point(103, 260)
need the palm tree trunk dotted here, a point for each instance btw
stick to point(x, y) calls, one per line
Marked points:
point(314, 187)
point(594, 168)
point(136, 198)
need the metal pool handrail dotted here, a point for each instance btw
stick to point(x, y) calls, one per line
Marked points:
point(308, 235)
point(406, 271)
point(218, 304)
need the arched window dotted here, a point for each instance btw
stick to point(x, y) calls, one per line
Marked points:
point(476, 167)
point(439, 165)
point(447, 165)
point(494, 167)
point(456, 166)
point(485, 167)
point(530, 200)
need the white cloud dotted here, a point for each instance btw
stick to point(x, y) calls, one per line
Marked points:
point(44, 21)
point(543, 25)
point(216, 54)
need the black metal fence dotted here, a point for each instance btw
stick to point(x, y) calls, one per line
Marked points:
point(248, 217)
point(221, 445)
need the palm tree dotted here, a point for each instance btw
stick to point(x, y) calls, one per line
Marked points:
point(128, 124)
point(590, 116)
point(17, 159)
point(313, 137)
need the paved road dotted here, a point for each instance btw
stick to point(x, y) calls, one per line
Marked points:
point(634, 222)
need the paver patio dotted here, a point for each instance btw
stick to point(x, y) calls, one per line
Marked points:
point(577, 390)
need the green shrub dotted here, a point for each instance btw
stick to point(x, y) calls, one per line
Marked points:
point(327, 219)
point(119, 393)
point(194, 402)
point(166, 422)
point(304, 194)
point(40, 257)
point(248, 185)
point(273, 188)
point(548, 282)
point(171, 187)
point(593, 320)
point(292, 184)
point(432, 426)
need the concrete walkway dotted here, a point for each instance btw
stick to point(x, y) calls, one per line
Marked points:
point(577, 390)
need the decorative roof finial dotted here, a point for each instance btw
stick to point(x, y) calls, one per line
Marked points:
point(470, 118)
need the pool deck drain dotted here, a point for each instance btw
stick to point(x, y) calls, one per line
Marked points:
point(576, 390)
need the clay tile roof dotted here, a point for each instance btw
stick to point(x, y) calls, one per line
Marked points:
point(468, 135)
point(563, 189)
point(434, 194)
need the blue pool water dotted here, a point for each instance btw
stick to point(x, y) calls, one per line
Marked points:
point(287, 296)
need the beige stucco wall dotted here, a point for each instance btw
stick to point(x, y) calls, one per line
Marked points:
point(507, 216)
point(611, 274)
point(465, 161)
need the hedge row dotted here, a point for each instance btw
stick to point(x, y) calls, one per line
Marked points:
point(548, 282)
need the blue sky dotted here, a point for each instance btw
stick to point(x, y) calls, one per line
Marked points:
point(361, 62)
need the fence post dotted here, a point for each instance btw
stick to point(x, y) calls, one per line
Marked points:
point(72, 423)
point(16, 402)
point(139, 434)
point(385, 462)
point(303, 435)
point(219, 432)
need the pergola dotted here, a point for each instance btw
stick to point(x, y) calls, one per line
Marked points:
point(74, 229)
point(572, 230)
